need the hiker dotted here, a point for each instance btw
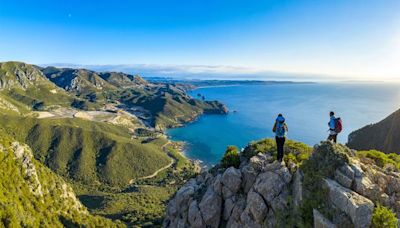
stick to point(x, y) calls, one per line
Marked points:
point(280, 129)
point(335, 127)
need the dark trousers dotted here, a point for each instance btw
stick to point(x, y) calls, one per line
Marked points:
point(280, 142)
point(332, 138)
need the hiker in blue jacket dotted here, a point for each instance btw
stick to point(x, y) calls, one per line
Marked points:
point(280, 129)
point(332, 127)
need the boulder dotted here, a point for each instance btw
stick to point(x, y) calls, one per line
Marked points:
point(356, 206)
point(232, 179)
point(320, 221)
point(211, 207)
point(256, 206)
point(297, 189)
point(194, 216)
point(228, 207)
point(249, 176)
point(269, 185)
point(234, 219)
point(342, 179)
point(364, 186)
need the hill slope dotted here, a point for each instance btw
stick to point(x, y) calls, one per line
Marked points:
point(383, 136)
point(26, 87)
point(87, 151)
point(33, 196)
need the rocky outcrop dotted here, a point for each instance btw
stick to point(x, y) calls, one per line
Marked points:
point(265, 193)
point(245, 197)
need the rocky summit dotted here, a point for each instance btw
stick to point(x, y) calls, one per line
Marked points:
point(331, 188)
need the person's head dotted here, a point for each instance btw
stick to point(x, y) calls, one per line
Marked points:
point(280, 118)
point(331, 113)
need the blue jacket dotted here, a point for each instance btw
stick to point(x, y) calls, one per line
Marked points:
point(332, 123)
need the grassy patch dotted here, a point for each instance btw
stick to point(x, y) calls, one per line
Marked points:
point(293, 151)
point(381, 159)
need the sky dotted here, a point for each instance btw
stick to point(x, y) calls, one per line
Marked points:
point(355, 39)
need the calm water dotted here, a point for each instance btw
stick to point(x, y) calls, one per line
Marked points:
point(305, 106)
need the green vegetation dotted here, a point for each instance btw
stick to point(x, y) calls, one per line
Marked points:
point(231, 157)
point(86, 151)
point(296, 152)
point(382, 136)
point(105, 163)
point(381, 159)
point(383, 218)
point(327, 157)
point(21, 207)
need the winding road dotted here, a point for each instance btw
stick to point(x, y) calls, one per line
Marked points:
point(162, 168)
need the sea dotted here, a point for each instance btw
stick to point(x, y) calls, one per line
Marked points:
point(254, 108)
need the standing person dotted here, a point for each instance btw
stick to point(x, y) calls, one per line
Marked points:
point(335, 127)
point(280, 129)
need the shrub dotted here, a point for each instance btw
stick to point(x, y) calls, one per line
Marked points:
point(231, 157)
point(383, 218)
point(381, 159)
point(294, 151)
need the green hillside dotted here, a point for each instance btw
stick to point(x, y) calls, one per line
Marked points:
point(383, 136)
point(87, 151)
point(33, 196)
point(80, 81)
point(25, 86)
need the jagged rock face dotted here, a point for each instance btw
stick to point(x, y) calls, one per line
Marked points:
point(262, 192)
point(243, 197)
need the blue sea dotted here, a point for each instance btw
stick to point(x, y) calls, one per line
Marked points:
point(305, 106)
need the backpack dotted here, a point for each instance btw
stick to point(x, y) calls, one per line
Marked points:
point(338, 125)
point(280, 130)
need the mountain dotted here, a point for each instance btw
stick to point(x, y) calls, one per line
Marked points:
point(383, 136)
point(82, 82)
point(25, 86)
point(31, 195)
point(327, 186)
point(166, 105)
point(98, 132)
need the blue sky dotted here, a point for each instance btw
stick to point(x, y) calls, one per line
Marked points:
point(357, 38)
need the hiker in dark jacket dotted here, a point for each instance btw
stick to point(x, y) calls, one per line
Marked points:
point(280, 129)
point(332, 128)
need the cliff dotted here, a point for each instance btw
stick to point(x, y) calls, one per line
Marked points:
point(330, 187)
point(383, 136)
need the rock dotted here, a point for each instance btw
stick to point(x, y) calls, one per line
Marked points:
point(249, 176)
point(357, 207)
point(343, 179)
point(217, 184)
point(260, 160)
point(234, 219)
point(347, 171)
point(269, 185)
point(280, 202)
point(194, 216)
point(320, 221)
point(211, 207)
point(297, 189)
point(232, 179)
point(228, 207)
point(226, 192)
point(364, 186)
point(256, 206)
